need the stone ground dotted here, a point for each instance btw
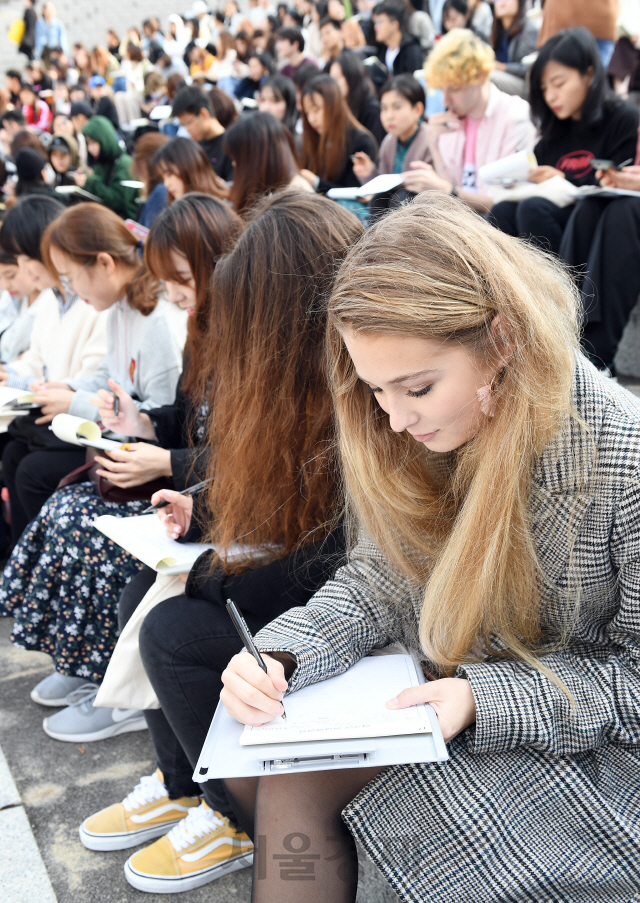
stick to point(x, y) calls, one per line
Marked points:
point(57, 785)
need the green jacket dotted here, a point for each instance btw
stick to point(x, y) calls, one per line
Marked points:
point(111, 169)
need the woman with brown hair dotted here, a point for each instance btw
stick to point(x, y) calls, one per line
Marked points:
point(143, 168)
point(274, 492)
point(331, 135)
point(265, 159)
point(64, 579)
point(184, 167)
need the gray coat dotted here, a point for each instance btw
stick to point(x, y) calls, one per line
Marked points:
point(538, 802)
point(521, 45)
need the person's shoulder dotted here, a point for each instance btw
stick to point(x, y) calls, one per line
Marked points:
point(509, 105)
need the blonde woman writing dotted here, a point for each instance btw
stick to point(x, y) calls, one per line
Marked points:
point(493, 476)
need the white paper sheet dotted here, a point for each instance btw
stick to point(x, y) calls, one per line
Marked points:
point(145, 538)
point(353, 704)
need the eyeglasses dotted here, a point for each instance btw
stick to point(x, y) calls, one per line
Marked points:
point(67, 284)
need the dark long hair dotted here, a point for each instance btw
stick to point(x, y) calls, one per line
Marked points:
point(86, 230)
point(275, 479)
point(284, 89)
point(326, 154)
point(265, 158)
point(201, 228)
point(25, 224)
point(361, 90)
point(497, 30)
point(577, 49)
point(187, 160)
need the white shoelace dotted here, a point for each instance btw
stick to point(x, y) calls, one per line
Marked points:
point(199, 821)
point(150, 788)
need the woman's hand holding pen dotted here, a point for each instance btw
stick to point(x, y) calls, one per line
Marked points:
point(138, 464)
point(128, 421)
point(249, 695)
point(451, 697)
point(176, 516)
point(627, 178)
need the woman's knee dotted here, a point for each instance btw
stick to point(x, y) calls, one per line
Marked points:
point(133, 594)
point(161, 631)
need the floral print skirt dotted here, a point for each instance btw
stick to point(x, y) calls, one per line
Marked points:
point(63, 581)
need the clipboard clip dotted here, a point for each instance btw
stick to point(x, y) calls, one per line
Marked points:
point(339, 761)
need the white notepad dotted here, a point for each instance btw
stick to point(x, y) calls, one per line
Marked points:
point(146, 539)
point(375, 679)
point(351, 705)
point(385, 182)
point(81, 432)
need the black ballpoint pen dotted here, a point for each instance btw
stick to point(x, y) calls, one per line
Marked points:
point(191, 490)
point(241, 626)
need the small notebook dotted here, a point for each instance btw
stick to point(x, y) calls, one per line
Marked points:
point(78, 192)
point(145, 538)
point(385, 182)
point(351, 705)
point(81, 432)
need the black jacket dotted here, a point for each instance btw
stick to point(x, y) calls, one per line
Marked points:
point(270, 589)
point(357, 140)
point(410, 56)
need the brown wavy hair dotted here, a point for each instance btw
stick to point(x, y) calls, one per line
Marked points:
point(86, 230)
point(201, 228)
point(272, 420)
point(142, 165)
point(189, 162)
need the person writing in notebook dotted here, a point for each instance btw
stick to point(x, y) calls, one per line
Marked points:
point(492, 475)
point(481, 124)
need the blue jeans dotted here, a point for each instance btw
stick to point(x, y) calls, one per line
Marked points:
point(606, 50)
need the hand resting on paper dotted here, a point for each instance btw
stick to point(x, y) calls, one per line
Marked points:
point(363, 166)
point(52, 402)
point(130, 421)
point(543, 174)
point(249, 695)
point(451, 698)
point(138, 465)
point(176, 517)
point(627, 178)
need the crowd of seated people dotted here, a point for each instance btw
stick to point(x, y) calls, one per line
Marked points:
point(182, 210)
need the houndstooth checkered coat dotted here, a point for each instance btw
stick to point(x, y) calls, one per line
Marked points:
point(538, 803)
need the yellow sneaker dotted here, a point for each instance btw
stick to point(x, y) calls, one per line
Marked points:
point(203, 847)
point(146, 813)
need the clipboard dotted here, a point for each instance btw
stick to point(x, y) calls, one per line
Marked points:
point(223, 756)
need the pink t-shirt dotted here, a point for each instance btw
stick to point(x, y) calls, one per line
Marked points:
point(471, 127)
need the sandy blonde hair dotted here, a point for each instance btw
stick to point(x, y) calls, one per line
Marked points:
point(435, 269)
point(459, 58)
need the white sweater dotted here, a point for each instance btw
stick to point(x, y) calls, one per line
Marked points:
point(71, 346)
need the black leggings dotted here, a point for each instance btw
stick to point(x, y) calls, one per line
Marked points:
point(185, 645)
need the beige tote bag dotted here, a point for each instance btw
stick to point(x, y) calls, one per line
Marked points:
point(126, 685)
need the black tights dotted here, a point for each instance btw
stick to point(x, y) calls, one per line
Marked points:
point(299, 834)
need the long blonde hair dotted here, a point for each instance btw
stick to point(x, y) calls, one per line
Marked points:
point(434, 269)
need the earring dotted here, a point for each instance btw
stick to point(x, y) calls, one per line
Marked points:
point(483, 394)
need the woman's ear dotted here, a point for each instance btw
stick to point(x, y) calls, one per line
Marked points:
point(105, 263)
point(419, 108)
point(502, 342)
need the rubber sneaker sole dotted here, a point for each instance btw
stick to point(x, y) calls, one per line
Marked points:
point(186, 882)
point(54, 703)
point(104, 843)
point(122, 727)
